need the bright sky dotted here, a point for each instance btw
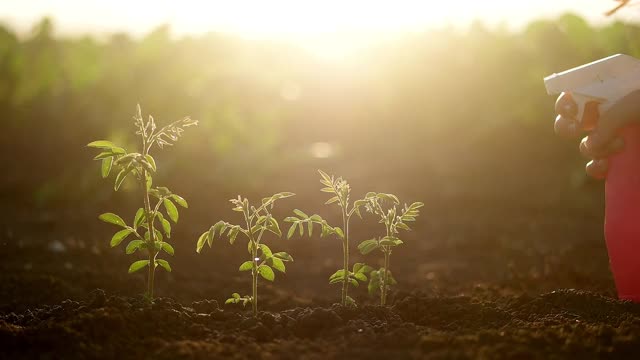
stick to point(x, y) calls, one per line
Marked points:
point(289, 18)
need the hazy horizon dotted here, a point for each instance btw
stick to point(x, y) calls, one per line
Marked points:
point(291, 19)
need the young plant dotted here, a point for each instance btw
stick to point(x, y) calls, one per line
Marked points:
point(141, 166)
point(257, 221)
point(341, 191)
point(381, 280)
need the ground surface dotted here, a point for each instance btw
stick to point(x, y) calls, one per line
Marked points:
point(507, 261)
point(480, 288)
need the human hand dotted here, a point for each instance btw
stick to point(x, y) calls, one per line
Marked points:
point(603, 140)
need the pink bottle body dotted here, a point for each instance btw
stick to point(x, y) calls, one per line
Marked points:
point(622, 215)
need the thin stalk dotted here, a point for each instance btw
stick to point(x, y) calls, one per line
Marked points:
point(151, 248)
point(383, 293)
point(345, 252)
point(254, 284)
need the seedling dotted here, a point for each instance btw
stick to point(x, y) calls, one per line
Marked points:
point(141, 166)
point(382, 279)
point(258, 221)
point(341, 191)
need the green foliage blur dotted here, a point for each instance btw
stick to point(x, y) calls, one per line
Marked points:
point(444, 107)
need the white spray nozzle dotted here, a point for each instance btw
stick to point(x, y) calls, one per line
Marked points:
point(604, 81)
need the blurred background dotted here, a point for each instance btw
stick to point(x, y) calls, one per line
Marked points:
point(439, 102)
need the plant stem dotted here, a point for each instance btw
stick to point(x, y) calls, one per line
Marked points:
point(345, 252)
point(383, 293)
point(152, 237)
point(254, 285)
point(151, 246)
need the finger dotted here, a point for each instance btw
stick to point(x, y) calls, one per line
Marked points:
point(566, 127)
point(566, 106)
point(590, 152)
point(597, 169)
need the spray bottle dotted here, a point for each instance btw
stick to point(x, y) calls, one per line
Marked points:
point(590, 90)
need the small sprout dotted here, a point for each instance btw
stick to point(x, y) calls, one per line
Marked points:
point(258, 222)
point(340, 192)
point(147, 219)
point(381, 280)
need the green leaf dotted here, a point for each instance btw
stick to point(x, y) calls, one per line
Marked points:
point(212, 233)
point(283, 256)
point(246, 266)
point(106, 166)
point(389, 197)
point(403, 226)
point(230, 301)
point(121, 176)
point(180, 200)
point(353, 282)
point(374, 282)
point(166, 225)
point(332, 200)
point(337, 275)
point(164, 263)
point(235, 296)
point(360, 276)
point(139, 218)
point(339, 232)
point(266, 272)
point(112, 218)
point(277, 264)
point(133, 246)
point(274, 227)
point(172, 211)
point(368, 246)
point(300, 213)
point(292, 230)
point(390, 241)
point(151, 162)
point(310, 228)
point(324, 175)
point(233, 233)
point(138, 265)
point(101, 144)
point(201, 241)
point(149, 182)
point(265, 250)
point(119, 236)
point(167, 248)
point(362, 268)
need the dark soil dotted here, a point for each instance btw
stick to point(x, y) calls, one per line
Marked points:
point(488, 272)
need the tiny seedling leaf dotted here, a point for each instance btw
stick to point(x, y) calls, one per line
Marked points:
point(172, 211)
point(101, 144)
point(292, 230)
point(106, 166)
point(112, 218)
point(283, 256)
point(166, 226)
point(151, 162)
point(266, 272)
point(164, 263)
point(180, 200)
point(277, 264)
point(139, 218)
point(368, 246)
point(246, 266)
point(119, 236)
point(167, 248)
point(133, 246)
point(138, 265)
point(201, 241)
